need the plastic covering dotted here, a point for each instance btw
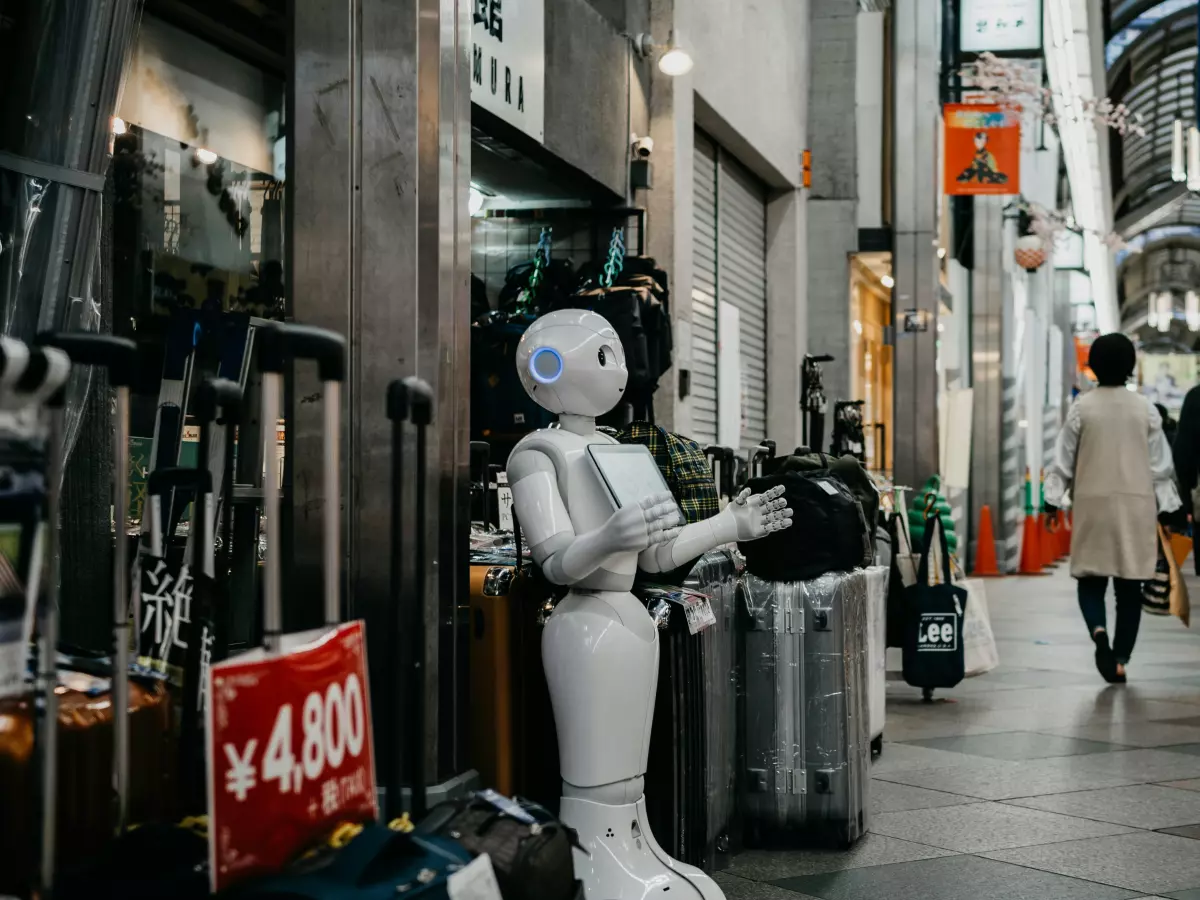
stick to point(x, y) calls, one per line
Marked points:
point(716, 573)
point(877, 591)
point(805, 710)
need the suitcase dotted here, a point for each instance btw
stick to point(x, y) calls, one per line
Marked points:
point(64, 777)
point(877, 596)
point(378, 861)
point(491, 714)
point(804, 711)
point(837, 707)
point(691, 794)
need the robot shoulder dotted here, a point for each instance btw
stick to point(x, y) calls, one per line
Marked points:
point(537, 452)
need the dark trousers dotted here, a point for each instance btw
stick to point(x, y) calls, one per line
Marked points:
point(1129, 610)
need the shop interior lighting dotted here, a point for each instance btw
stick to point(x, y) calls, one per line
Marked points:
point(941, 252)
point(1191, 307)
point(1152, 311)
point(1193, 159)
point(118, 125)
point(888, 281)
point(206, 157)
point(1178, 154)
point(675, 61)
point(857, 327)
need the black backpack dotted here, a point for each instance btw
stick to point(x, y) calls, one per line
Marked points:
point(828, 532)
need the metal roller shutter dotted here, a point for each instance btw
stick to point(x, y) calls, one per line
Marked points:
point(704, 293)
point(742, 281)
point(729, 260)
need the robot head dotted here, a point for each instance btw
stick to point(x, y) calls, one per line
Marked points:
point(571, 361)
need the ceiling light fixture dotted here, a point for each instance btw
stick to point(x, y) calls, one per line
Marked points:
point(118, 125)
point(675, 61)
point(1166, 311)
point(1193, 159)
point(1191, 308)
point(888, 281)
point(207, 157)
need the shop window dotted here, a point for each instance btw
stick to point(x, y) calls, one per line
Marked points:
point(198, 176)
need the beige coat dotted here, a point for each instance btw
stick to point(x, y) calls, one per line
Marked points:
point(1114, 459)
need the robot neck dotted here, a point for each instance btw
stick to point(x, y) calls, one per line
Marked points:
point(577, 424)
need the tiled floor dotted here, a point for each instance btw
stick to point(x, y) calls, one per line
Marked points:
point(1035, 782)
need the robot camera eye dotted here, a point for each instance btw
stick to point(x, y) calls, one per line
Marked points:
point(600, 356)
point(605, 355)
point(546, 365)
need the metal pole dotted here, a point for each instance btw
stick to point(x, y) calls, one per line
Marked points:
point(47, 657)
point(333, 503)
point(272, 611)
point(121, 633)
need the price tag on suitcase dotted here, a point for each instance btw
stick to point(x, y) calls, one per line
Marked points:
point(289, 752)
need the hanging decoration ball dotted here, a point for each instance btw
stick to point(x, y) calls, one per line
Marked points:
point(1030, 252)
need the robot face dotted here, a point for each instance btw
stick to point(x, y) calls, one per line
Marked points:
point(571, 361)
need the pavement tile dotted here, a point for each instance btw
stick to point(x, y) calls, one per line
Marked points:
point(1143, 861)
point(872, 850)
point(1149, 806)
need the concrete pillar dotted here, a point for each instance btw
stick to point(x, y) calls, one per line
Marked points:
point(833, 200)
point(379, 246)
point(916, 111)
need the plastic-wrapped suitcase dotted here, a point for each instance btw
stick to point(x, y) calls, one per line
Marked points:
point(877, 595)
point(803, 709)
point(837, 709)
point(716, 574)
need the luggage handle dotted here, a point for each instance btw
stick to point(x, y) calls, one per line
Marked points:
point(278, 344)
point(43, 380)
point(165, 481)
point(118, 356)
point(482, 451)
point(408, 400)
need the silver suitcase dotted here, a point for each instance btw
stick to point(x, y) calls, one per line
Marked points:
point(804, 710)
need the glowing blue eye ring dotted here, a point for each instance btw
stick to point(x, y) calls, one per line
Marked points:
point(558, 365)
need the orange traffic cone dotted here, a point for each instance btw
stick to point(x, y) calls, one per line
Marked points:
point(985, 552)
point(1049, 541)
point(1031, 546)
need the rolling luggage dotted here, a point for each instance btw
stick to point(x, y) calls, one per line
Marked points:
point(491, 714)
point(804, 710)
point(88, 751)
point(877, 597)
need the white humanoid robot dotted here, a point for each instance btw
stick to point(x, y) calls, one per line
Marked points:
point(593, 511)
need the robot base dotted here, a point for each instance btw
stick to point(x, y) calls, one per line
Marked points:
point(626, 863)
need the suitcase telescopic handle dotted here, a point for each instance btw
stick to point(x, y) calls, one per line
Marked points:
point(278, 345)
point(219, 398)
point(408, 400)
point(118, 356)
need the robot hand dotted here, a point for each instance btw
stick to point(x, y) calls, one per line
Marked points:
point(655, 520)
point(758, 515)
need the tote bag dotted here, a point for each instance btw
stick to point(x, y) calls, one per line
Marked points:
point(933, 640)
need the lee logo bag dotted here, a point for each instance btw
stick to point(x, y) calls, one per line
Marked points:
point(934, 614)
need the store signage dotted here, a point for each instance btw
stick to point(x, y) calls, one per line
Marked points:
point(1000, 26)
point(508, 61)
point(983, 150)
point(289, 752)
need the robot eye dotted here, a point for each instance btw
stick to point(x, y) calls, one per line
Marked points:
point(546, 365)
point(605, 355)
point(600, 356)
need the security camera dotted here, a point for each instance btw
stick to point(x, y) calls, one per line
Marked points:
point(642, 146)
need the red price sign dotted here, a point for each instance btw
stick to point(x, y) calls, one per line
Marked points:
point(289, 752)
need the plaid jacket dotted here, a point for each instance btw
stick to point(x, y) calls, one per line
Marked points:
point(683, 464)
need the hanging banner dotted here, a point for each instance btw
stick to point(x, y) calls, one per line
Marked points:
point(983, 150)
point(508, 61)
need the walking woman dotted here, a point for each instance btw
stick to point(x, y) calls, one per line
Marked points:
point(1116, 463)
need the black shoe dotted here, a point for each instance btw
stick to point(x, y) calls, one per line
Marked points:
point(1106, 663)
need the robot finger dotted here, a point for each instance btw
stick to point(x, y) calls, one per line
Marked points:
point(664, 513)
point(742, 496)
point(667, 535)
point(648, 503)
point(778, 503)
point(773, 493)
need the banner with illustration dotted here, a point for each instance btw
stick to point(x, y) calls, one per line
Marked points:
point(983, 149)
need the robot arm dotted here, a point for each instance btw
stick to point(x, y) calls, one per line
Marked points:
point(565, 557)
point(747, 518)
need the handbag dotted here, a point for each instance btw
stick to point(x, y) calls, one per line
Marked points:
point(531, 850)
point(933, 640)
point(1166, 593)
point(979, 642)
